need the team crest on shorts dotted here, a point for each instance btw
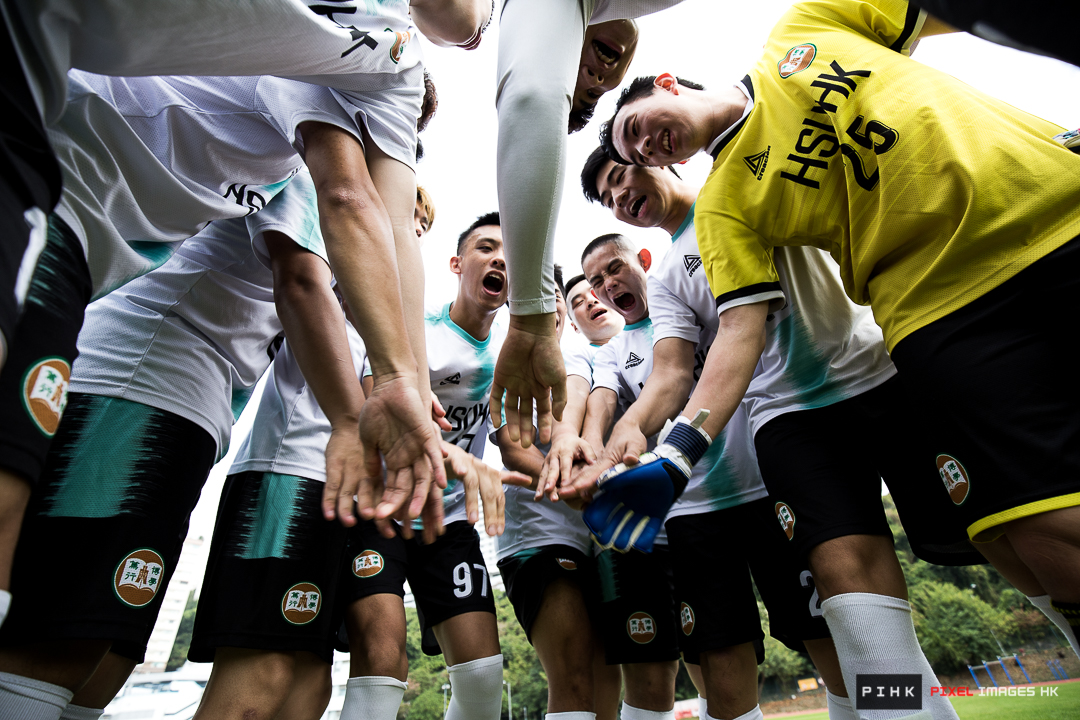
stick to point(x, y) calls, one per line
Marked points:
point(797, 59)
point(686, 617)
point(955, 478)
point(45, 389)
point(138, 577)
point(786, 518)
point(367, 564)
point(301, 603)
point(566, 563)
point(641, 628)
point(398, 48)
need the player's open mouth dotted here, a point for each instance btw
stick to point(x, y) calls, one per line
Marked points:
point(625, 301)
point(667, 142)
point(607, 54)
point(636, 206)
point(597, 313)
point(494, 283)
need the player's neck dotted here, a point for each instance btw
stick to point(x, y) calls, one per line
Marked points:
point(472, 319)
point(682, 203)
point(726, 107)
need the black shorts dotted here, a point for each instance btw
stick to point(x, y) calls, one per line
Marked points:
point(528, 573)
point(106, 523)
point(1025, 25)
point(636, 615)
point(448, 577)
point(34, 380)
point(713, 555)
point(273, 575)
point(1003, 396)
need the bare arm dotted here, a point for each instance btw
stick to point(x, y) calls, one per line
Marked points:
point(451, 23)
point(529, 461)
point(566, 443)
point(599, 414)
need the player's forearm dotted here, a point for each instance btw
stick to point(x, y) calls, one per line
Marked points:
point(450, 22)
point(730, 366)
point(577, 397)
point(599, 414)
point(666, 389)
point(528, 461)
point(539, 48)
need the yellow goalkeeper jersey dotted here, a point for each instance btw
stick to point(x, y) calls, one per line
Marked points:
point(927, 192)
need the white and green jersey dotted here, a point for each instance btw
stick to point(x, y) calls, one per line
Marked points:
point(820, 348)
point(290, 431)
point(580, 361)
point(194, 336)
point(728, 474)
point(148, 161)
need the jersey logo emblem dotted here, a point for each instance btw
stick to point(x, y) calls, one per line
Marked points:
point(367, 564)
point(796, 60)
point(301, 603)
point(758, 162)
point(786, 518)
point(955, 477)
point(691, 263)
point(45, 389)
point(566, 563)
point(632, 361)
point(686, 617)
point(398, 48)
point(641, 628)
point(454, 379)
point(138, 577)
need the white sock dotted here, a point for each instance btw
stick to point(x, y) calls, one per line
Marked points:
point(374, 697)
point(577, 715)
point(629, 712)
point(702, 708)
point(29, 699)
point(754, 714)
point(840, 708)
point(78, 712)
point(1043, 603)
point(477, 689)
point(874, 635)
point(5, 603)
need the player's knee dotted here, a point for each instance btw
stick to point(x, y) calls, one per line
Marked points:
point(478, 683)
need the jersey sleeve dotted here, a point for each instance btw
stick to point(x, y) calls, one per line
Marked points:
point(293, 212)
point(578, 363)
point(606, 368)
point(896, 24)
point(671, 316)
point(738, 263)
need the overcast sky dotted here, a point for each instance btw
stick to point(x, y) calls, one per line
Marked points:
point(710, 41)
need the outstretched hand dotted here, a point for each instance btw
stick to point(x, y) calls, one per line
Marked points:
point(530, 372)
point(481, 479)
point(625, 445)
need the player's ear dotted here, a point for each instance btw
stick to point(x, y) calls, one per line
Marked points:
point(646, 259)
point(455, 265)
point(667, 82)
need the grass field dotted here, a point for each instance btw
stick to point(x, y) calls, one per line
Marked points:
point(1065, 706)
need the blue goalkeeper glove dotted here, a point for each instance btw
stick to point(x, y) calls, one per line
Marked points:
point(629, 510)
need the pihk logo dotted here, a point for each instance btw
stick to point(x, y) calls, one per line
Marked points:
point(632, 361)
point(367, 564)
point(138, 577)
point(566, 563)
point(45, 392)
point(641, 628)
point(796, 60)
point(691, 263)
point(301, 603)
point(454, 379)
point(686, 618)
point(888, 692)
point(955, 478)
point(758, 162)
point(786, 518)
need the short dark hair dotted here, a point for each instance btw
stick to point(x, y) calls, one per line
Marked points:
point(638, 88)
point(607, 239)
point(429, 105)
point(591, 171)
point(580, 118)
point(491, 218)
point(571, 284)
point(558, 280)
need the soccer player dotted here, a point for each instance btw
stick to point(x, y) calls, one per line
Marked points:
point(921, 238)
point(555, 61)
point(545, 559)
point(725, 507)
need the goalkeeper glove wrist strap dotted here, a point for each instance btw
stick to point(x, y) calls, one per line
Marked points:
point(687, 439)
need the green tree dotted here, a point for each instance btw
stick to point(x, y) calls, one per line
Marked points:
point(428, 705)
point(781, 664)
point(178, 656)
point(955, 627)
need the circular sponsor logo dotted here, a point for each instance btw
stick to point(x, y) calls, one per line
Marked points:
point(367, 564)
point(301, 603)
point(45, 389)
point(955, 478)
point(641, 628)
point(566, 563)
point(138, 577)
point(686, 617)
point(786, 518)
point(796, 60)
point(398, 48)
